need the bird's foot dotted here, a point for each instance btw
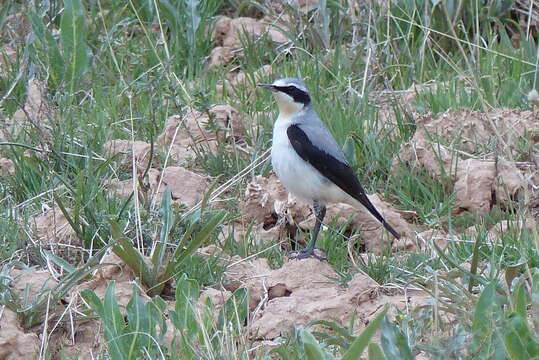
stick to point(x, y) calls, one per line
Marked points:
point(316, 253)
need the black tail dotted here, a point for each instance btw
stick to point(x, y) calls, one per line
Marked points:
point(391, 230)
point(364, 200)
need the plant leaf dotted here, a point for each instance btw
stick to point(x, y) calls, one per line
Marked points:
point(311, 347)
point(375, 353)
point(362, 341)
point(394, 342)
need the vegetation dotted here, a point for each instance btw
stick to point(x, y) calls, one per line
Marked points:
point(119, 69)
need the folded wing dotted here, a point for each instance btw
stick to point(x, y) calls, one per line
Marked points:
point(334, 169)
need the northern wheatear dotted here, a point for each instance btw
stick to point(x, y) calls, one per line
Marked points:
point(308, 160)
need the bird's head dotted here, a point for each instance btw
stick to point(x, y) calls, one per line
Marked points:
point(291, 95)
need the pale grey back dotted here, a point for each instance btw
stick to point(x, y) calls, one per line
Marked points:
point(309, 121)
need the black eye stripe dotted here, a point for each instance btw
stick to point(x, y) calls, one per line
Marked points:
point(298, 95)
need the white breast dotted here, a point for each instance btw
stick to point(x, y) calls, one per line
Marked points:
point(298, 176)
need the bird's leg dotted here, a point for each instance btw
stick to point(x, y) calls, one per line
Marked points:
point(320, 213)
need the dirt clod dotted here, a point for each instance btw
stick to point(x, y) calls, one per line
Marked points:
point(249, 274)
point(444, 145)
point(202, 131)
point(53, 231)
point(115, 270)
point(241, 79)
point(88, 341)
point(34, 111)
point(28, 284)
point(298, 304)
point(7, 167)
point(139, 150)
point(186, 186)
point(228, 32)
point(15, 344)
point(373, 235)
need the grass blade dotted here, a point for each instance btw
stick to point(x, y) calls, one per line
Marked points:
point(73, 34)
point(375, 353)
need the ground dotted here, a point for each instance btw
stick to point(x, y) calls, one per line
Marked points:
point(141, 217)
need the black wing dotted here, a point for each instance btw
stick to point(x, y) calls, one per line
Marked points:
point(333, 169)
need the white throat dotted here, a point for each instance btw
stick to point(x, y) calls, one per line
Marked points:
point(287, 106)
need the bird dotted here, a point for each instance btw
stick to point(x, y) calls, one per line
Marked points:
point(309, 162)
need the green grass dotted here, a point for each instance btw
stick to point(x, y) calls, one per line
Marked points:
point(118, 70)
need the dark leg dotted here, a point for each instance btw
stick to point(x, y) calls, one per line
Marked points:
point(320, 213)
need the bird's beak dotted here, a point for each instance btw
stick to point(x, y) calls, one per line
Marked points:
point(266, 86)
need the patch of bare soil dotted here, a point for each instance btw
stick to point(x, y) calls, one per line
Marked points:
point(7, 167)
point(306, 290)
point(505, 228)
point(34, 111)
point(129, 152)
point(84, 338)
point(187, 187)
point(83, 341)
point(200, 130)
point(374, 236)
point(423, 241)
point(228, 34)
point(15, 27)
point(52, 231)
point(239, 78)
point(7, 56)
point(247, 274)
point(29, 284)
point(479, 182)
point(114, 269)
point(15, 344)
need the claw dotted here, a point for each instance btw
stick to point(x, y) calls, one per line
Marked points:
point(308, 253)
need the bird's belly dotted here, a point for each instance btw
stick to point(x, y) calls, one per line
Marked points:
point(299, 177)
